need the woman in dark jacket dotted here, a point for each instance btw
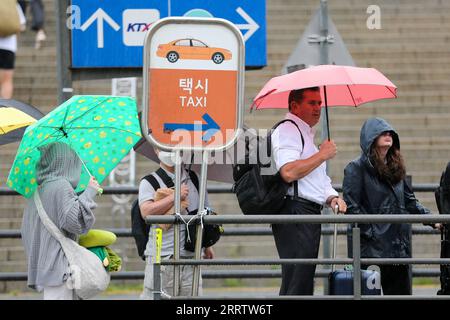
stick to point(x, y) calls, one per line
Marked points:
point(375, 184)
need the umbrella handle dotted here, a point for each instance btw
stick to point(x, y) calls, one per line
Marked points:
point(99, 190)
point(326, 111)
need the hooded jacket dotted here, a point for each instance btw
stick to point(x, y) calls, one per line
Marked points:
point(365, 193)
point(58, 172)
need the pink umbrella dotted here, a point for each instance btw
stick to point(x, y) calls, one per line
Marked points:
point(339, 86)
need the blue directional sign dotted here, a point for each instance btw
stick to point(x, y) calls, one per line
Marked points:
point(248, 15)
point(110, 33)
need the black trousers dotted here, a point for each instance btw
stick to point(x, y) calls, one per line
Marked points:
point(395, 279)
point(297, 241)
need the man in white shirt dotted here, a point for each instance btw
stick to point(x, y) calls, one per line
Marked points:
point(305, 167)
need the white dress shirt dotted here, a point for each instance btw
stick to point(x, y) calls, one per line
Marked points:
point(287, 147)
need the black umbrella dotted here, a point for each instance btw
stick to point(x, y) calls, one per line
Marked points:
point(16, 135)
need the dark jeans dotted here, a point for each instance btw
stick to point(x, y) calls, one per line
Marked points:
point(37, 13)
point(395, 279)
point(297, 241)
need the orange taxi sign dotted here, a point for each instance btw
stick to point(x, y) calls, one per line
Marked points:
point(193, 84)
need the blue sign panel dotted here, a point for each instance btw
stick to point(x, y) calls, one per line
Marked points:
point(110, 33)
point(248, 15)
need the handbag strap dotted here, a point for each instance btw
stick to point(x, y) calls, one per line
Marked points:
point(49, 225)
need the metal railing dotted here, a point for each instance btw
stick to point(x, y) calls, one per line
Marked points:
point(356, 261)
point(258, 231)
point(214, 189)
point(220, 274)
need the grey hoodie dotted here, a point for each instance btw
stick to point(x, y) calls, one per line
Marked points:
point(58, 172)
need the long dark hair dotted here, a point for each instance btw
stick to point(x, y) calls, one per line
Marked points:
point(393, 170)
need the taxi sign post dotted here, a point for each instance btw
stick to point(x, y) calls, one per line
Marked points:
point(192, 97)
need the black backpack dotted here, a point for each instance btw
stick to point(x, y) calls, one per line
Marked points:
point(139, 229)
point(442, 195)
point(259, 193)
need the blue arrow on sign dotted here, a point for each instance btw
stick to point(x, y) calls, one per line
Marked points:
point(211, 127)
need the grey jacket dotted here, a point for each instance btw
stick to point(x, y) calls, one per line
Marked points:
point(365, 193)
point(58, 172)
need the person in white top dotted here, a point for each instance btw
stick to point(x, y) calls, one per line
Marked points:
point(8, 48)
point(303, 165)
point(149, 206)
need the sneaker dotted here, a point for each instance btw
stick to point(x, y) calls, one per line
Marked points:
point(40, 37)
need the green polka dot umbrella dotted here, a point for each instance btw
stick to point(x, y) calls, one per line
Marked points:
point(101, 130)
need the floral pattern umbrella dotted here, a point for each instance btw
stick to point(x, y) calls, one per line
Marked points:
point(101, 130)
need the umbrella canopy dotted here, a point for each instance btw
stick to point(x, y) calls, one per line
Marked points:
point(220, 167)
point(12, 119)
point(100, 129)
point(343, 86)
point(16, 135)
point(218, 172)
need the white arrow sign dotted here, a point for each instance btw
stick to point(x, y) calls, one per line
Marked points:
point(101, 16)
point(251, 25)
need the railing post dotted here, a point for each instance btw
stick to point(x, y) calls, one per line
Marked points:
point(408, 179)
point(199, 229)
point(156, 261)
point(176, 227)
point(356, 263)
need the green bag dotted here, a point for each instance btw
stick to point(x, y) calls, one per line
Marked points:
point(102, 254)
point(9, 17)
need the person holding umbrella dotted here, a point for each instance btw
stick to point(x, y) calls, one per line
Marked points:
point(375, 183)
point(57, 173)
point(302, 91)
point(303, 165)
point(58, 157)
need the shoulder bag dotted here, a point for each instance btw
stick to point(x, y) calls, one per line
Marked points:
point(87, 275)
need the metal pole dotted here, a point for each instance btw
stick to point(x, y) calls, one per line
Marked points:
point(326, 113)
point(323, 55)
point(409, 182)
point(334, 245)
point(176, 229)
point(63, 36)
point(324, 32)
point(356, 263)
point(201, 207)
point(324, 117)
point(156, 260)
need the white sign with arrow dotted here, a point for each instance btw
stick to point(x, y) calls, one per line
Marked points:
point(100, 16)
point(251, 25)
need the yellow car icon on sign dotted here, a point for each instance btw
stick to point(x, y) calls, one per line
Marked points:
point(192, 49)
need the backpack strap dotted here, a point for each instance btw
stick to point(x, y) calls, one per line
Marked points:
point(152, 180)
point(295, 189)
point(269, 137)
point(194, 179)
point(269, 146)
point(169, 182)
point(165, 178)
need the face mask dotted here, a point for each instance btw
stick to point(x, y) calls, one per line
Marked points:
point(166, 158)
